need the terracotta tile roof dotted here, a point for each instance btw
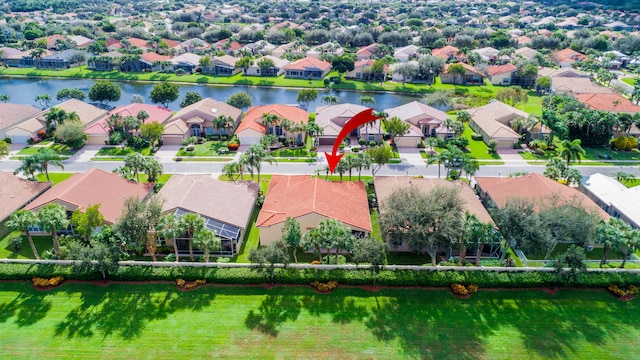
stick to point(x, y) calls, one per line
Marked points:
point(94, 187)
point(308, 62)
point(253, 118)
point(577, 86)
point(468, 67)
point(16, 192)
point(51, 40)
point(139, 43)
point(533, 187)
point(298, 195)
point(500, 69)
point(568, 55)
point(386, 185)
point(171, 43)
point(11, 114)
point(151, 57)
point(445, 52)
point(608, 102)
point(202, 194)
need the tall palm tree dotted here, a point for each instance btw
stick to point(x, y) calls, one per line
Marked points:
point(53, 218)
point(192, 223)
point(171, 227)
point(342, 167)
point(362, 161)
point(21, 220)
point(270, 121)
point(206, 240)
point(255, 155)
point(571, 150)
point(463, 116)
point(330, 99)
point(142, 116)
point(28, 166)
point(46, 157)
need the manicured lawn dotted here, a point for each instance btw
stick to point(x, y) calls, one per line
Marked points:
point(303, 152)
point(251, 239)
point(209, 148)
point(60, 149)
point(118, 151)
point(534, 104)
point(478, 148)
point(593, 154)
point(630, 81)
point(42, 243)
point(162, 178)
point(204, 159)
point(125, 321)
point(54, 177)
point(633, 183)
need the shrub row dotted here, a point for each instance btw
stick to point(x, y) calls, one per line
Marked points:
point(484, 279)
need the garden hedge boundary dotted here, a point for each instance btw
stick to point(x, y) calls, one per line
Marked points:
point(246, 275)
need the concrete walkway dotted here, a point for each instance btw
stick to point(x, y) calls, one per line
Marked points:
point(512, 157)
point(86, 153)
point(166, 153)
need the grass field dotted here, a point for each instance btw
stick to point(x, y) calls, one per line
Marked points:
point(54, 177)
point(125, 321)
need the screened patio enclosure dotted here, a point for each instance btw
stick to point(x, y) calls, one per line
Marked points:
point(230, 237)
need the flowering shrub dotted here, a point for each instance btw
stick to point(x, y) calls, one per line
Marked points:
point(190, 285)
point(315, 262)
point(324, 287)
point(43, 282)
point(180, 282)
point(462, 290)
point(632, 290)
point(233, 146)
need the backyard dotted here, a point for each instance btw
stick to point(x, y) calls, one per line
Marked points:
point(123, 321)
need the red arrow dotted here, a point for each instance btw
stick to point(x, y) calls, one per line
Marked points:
point(356, 121)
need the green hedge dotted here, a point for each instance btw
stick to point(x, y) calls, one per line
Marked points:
point(353, 277)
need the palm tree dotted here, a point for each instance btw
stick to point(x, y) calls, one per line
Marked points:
point(53, 217)
point(232, 170)
point(609, 234)
point(571, 150)
point(342, 167)
point(270, 121)
point(255, 155)
point(45, 157)
point(192, 223)
point(28, 167)
point(171, 227)
point(623, 177)
point(362, 161)
point(22, 220)
point(366, 100)
point(206, 240)
point(43, 100)
point(463, 116)
point(142, 116)
point(4, 98)
point(330, 99)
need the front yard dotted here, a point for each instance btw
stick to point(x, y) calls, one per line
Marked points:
point(60, 149)
point(116, 151)
point(208, 148)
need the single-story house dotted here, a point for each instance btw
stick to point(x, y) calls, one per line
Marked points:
point(501, 74)
point(199, 119)
point(366, 52)
point(572, 86)
point(563, 72)
point(96, 186)
point(251, 129)
point(612, 102)
point(424, 121)
point(332, 118)
point(6, 52)
point(276, 70)
point(564, 58)
point(613, 197)
point(105, 62)
point(310, 200)
point(21, 132)
point(15, 193)
point(307, 68)
point(12, 114)
point(497, 191)
point(81, 41)
point(406, 53)
point(472, 76)
point(261, 47)
point(227, 46)
point(493, 122)
point(487, 54)
point(23, 59)
point(98, 133)
point(194, 45)
point(386, 185)
point(329, 48)
point(448, 52)
point(360, 71)
point(226, 207)
point(62, 60)
point(526, 52)
point(222, 65)
point(187, 62)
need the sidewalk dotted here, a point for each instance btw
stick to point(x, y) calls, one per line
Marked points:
point(85, 153)
point(512, 157)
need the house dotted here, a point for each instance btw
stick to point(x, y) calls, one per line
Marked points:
point(423, 120)
point(251, 129)
point(497, 191)
point(568, 85)
point(15, 193)
point(62, 60)
point(564, 58)
point(156, 62)
point(362, 71)
point(227, 46)
point(226, 207)
point(81, 41)
point(614, 198)
point(96, 186)
point(105, 62)
point(6, 52)
point(187, 62)
point(618, 26)
point(493, 122)
point(501, 74)
point(222, 65)
point(448, 53)
point(487, 54)
point(612, 102)
point(27, 129)
point(200, 119)
point(563, 72)
point(310, 200)
point(618, 59)
point(527, 53)
point(332, 118)
point(53, 41)
point(276, 70)
point(293, 48)
point(307, 68)
point(138, 43)
point(366, 52)
point(328, 48)
point(523, 40)
point(193, 45)
point(98, 133)
point(472, 76)
point(386, 185)
point(12, 114)
point(406, 53)
point(261, 47)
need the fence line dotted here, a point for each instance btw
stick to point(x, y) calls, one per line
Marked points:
point(312, 266)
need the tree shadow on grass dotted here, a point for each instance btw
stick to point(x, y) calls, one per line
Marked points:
point(273, 312)
point(27, 308)
point(125, 313)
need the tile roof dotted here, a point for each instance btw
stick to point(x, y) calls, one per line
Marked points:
point(16, 192)
point(253, 118)
point(156, 114)
point(577, 86)
point(94, 187)
point(298, 195)
point(151, 57)
point(209, 108)
point(332, 118)
point(139, 43)
point(11, 114)
point(533, 187)
point(494, 119)
point(500, 69)
point(228, 202)
point(608, 102)
point(568, 55)
point(445, 52)
point(386, 185)
point(468, 67)
point(625, 201)
point(308, 62)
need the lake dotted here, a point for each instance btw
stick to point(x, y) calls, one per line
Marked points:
point(23, 91)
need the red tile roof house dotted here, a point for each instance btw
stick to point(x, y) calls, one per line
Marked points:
point(198, 119)
point(310, 200)
point(564, 58)
point(307, 68)
point(448, 53)
point(156, 62)
point(251, 129)
point(386, 185)
point(98, 133)
point(226, 207)
point(96, 186)
point(365, 52)
point(472, 76)
point(423, 120)
point(501, 74)
point(15, 193)
point(613, 103)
